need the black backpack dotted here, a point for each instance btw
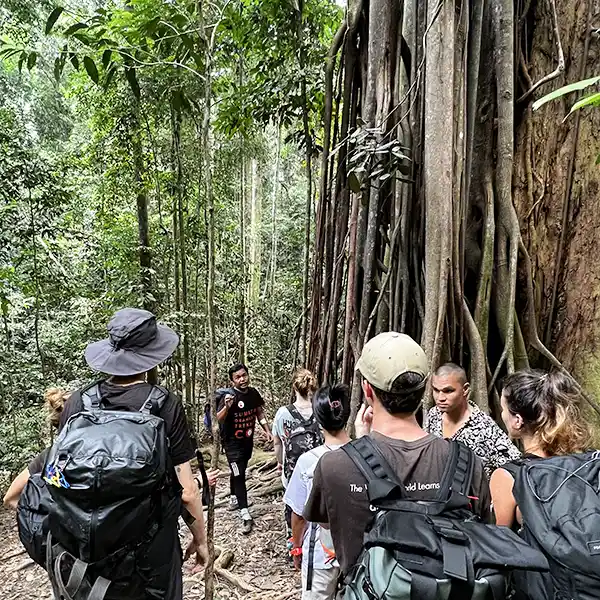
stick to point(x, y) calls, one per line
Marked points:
point(32, 518)
point(219, 394)
point(559, 500)
point(110, 479)
point(422, 550)
point(300, 436)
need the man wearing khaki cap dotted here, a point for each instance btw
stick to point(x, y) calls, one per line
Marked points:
point(394, 371)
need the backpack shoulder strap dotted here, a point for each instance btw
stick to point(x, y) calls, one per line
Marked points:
point(512, 467)
point(90, 397)
point(380, 477)
point(155, 400)
point(458, 473)
point(295, 413)
point(515, 466)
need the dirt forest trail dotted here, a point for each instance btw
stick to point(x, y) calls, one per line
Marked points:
point(259, 569)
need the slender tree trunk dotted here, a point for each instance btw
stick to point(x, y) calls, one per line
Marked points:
point(309, 199)
point(270, 278)
point(255, 235)
point(181, 209)
point(243, 264)
point(209, 579)
point(148, 301)
point(36, 276)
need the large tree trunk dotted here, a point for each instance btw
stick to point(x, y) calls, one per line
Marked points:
point(557, 187)
point(436, 249)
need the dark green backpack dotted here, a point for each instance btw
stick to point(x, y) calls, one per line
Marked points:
point(439, 550)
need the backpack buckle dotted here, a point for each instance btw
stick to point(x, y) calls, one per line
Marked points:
point(448, 531)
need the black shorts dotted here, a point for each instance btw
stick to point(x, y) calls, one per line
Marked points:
point(238, 452)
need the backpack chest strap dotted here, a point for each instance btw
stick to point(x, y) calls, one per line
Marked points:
point(457, 563)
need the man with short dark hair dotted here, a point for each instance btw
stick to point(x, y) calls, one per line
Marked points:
point(394, 372)
point(237, 411)
point(454, 417)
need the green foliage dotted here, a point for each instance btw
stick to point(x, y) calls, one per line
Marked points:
point(587, 101)
point(100, 106)
point(563, 91)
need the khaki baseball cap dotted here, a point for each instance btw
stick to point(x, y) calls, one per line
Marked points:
point(387, 356)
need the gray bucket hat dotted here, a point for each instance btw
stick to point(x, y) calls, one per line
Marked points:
point(136, 343)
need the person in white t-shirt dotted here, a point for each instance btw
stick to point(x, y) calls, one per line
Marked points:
point(304, 387)
point(312, 550)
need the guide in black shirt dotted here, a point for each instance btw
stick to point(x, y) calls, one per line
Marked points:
point(238, 410)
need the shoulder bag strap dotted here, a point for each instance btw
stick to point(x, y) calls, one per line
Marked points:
point(155, 400)
point(380, 477)
point(458, 474)
point(295, 413)
point(311, 556)
point(91, 398)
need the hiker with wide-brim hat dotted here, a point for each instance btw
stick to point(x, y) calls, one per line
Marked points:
point(137, 343)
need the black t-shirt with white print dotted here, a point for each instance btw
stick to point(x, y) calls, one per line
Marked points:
point(238, 428)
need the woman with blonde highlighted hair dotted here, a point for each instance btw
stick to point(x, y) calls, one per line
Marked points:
point(304, 386)
point(54, 402)
point(295, 431)
point(543, 411)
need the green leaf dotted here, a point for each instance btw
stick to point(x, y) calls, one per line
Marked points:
point(567, 89)
point(355, 179)
point(83, 38)
point(598, 159)
point(22, 60)
point(90, 67)
point(74, 28)
point(9, 51)
point(31, 60)
point(74, 61)
point(53, 18)
point(106, 56)
point(133, 81)
point(591, 100)
point(353, 182)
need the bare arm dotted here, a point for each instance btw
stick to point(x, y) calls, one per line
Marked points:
point(278, 444)
point(503, 501)
point(262, 419)
point(192, 500)
point(298, 528)
point(11, 498)
point(222, 414)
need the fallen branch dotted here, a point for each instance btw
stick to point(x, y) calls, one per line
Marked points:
point(225, 559)
point(274, 488)
point(234, 580)
point(12, 555)
point(22, 565)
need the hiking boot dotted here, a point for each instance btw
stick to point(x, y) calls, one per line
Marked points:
point(247, 526)
point(233, 503)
